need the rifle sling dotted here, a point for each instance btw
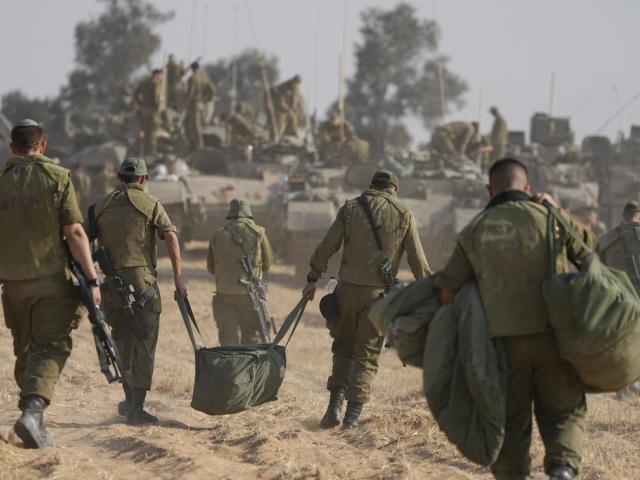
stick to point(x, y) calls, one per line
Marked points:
point(366, 208)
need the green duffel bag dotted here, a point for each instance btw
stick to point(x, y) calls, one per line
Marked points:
point(235, 378)
point(595, 316)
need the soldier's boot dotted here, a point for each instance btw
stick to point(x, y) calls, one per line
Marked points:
point(331, 417)
point(30, 426)
point(562, 472)
point(137, 414)
point(354, 409)
point(124, 405)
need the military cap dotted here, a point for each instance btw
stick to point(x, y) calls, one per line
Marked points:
point(134, 166)
point(27, 122)
point(385, 177)
point(239, 209)
point(631, 207)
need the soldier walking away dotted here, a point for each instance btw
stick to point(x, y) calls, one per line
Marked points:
point(38, 208)
point(620, 248)
point(368, 260)
point(499, 135)
point(199, 91)
point(126, 223)
point(148, 97)
point(451, 140)
point(505, 248)
point(287, 105)
point(233, 310)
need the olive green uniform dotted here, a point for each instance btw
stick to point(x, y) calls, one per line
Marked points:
point(148, 97)
point(447, 140)
point(342, 148)
point(241, 131)
point(233, 311)
point(39, 301)
point(620, 248)
point(175, 72)
point(505, 248)
point(357, 342)
point(499, 137)
point(199, 90)
point(287, 122)
point(128, 221)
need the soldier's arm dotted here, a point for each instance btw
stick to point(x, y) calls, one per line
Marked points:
point(167, 232)
point(455, 275)
point(267, 252)
point(575, 251)
point(415, 253)
point(329, 245)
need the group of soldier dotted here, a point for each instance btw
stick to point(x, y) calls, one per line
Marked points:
point(504, 248)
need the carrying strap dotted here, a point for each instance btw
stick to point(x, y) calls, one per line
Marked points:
point(555, 215)
point(366, 208)
point(188, 318)
point(292, 320)
point(92, 224)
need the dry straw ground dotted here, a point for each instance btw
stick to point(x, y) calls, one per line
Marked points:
point(398, 438)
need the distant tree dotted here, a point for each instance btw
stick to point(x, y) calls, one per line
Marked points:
point(249, 83)
point(110, 51)
point(397, 75)
point(17, 106)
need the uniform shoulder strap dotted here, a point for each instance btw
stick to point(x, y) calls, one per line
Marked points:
point(363, 201)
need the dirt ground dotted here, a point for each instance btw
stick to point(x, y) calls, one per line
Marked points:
point(398, 438)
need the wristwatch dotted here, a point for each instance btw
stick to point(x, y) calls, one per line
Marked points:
point(93, 282)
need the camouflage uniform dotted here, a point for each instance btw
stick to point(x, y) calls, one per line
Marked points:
point(447, 140)
point(499, 136)
point(39, 301)
point(357, 342)
point(510, 232)
point(233, 311)
point(148, 97)
point(199, 90)
point(128, 221)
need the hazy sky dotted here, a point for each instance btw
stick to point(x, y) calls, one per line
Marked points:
point(506, 49)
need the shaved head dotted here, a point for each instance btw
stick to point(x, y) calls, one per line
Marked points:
point(508, 174)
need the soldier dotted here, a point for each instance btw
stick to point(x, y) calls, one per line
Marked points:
point(451, 140)
point(620, 248)
point(175, 72)
point(240, 129)
point(505, 248)
point(82, 183)
point(199, 91)
point(357, 342)
point(148, 98)
point(233, 311)
point(126, 222)
point(38, 209)
point(287, 105)
point(499, 135)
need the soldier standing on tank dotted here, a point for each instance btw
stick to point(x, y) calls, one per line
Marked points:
point(233, 311)
point(127, 222)
point(175, 72)
point(499, 135)
point(452, 139)
point(148, 96)
point(620, 248)
point(287, 106)
point(199, 91)
point(38, 210)
point(505, 248)
point(241, 131)
point(357, 342)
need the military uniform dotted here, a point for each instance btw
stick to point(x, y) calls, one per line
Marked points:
point(128, 220)
point(233, 310)
point(499, 136)
point(342, 147)
point(357, 342)
point(39, 301)
point(175, 72)
point(148, 97)
point(447, 140)
point(287, 122)
point(241, 131)
point(199, 90)
point(505, 249)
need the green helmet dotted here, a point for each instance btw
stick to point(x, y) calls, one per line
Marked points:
point(134, 166)
point(239, 209)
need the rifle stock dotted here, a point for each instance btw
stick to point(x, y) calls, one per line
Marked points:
point(257, 291)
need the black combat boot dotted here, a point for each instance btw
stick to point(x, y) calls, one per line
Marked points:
point(137, 415)
point(562, 472)
point(334, 409)
point(123, 406)
point(354, 409)
point(30, 425)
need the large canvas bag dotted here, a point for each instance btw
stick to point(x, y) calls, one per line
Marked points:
point(235, 378)
point(595, 316)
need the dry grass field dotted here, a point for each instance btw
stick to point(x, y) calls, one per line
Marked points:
point(398, 439)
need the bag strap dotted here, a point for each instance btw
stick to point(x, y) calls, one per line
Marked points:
point(188, 317)
point(292, 320)
point(555, 215)
point(366, 208)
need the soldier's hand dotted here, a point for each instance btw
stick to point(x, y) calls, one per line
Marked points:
point(97, 297)
point(180, 285)
point(545, 197)
point(309, 291)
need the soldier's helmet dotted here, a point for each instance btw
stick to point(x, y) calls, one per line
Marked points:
point(631, 207)
point(134, 166)
point(239, 209)
point(385, 178)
